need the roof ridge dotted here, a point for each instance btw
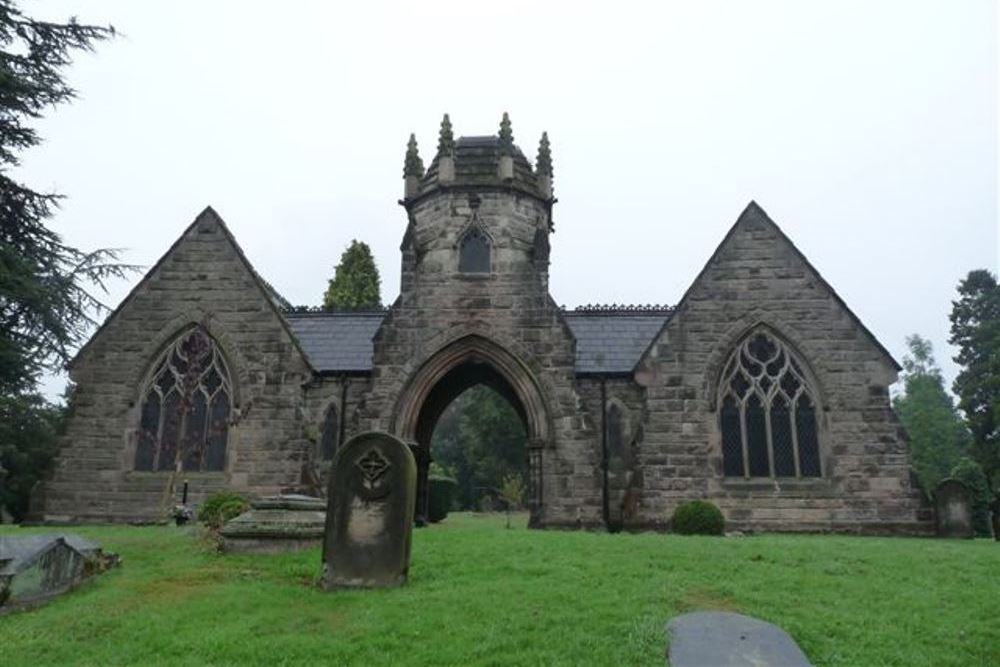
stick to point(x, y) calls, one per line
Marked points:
point(321, 310)
point(618, 309)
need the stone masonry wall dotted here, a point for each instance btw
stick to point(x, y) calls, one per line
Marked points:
point(511, 308)
point(757, 277)
point(625, 474)
point(202, 279)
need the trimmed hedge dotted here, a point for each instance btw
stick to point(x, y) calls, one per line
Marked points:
point(220, 507)
point(698, 517)
point(442, 491)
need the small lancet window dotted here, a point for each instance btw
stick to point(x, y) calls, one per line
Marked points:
point(617, 438)
point(331, 434)
point(184, 419)
point(767, 414)
point(474, 251)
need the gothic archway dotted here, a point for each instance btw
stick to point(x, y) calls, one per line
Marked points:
point(460, 365)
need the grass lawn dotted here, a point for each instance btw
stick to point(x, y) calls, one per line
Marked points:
point(481, 594)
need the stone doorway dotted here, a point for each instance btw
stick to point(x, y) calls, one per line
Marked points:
point(458, 367)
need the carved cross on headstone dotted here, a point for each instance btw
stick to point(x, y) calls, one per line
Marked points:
point(373, 465)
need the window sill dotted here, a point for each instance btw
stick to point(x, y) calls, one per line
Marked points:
point(776, 484)
point(202, 474)
point(474, 276)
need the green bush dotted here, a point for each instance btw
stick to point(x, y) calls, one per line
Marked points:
point(220, 507)
point(442, 490)
point(698, 517)
point(968, 471)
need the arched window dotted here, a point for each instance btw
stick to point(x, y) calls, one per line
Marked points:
point(185, 408)
point(330, 438)
point(474, 251)
point(767, 412)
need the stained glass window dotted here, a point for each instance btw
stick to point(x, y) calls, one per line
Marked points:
point(184, 419)
point(767, 415)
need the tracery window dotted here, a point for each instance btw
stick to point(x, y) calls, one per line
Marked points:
point(330, 437)
point(474, 251)
point(185, 408)
point(767, 413)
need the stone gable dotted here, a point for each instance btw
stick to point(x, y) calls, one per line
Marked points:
point(757, 278)
point(203, 279)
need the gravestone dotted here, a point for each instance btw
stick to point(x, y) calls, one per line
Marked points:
point(724, 639)
point(953, 508)
point(37, 568)
point(369, 515)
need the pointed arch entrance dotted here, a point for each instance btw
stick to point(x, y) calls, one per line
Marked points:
point(461, 365)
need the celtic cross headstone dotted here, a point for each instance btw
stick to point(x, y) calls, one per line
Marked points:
point(369, 516)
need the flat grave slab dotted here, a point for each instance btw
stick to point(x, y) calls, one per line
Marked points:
point(725, 639)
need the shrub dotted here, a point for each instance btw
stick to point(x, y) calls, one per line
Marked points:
point(442, 490)
point(220, 507)
point(967, 470)
point(698, 517)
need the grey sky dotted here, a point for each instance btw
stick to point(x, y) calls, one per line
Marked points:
point(867, 130)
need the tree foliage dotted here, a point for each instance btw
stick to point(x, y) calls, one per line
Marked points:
point(975, 330)
point(47, 302)
point(356, 284)
point(29, 429)
point(937, 435)
point(480, 440)
point(967, 470)
point(46, 309)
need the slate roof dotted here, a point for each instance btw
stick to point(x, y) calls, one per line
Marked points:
point(613, 341)
point(476, 160)
point(336, 342)
point(607, 340)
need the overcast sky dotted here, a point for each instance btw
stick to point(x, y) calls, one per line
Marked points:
point(867, 130)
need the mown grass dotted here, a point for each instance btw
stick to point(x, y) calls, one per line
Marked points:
point(481, 594)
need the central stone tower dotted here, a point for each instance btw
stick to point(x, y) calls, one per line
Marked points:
point(474, 306)
point(479, 221)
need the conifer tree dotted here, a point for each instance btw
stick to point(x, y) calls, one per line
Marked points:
point(937, 435)
point(46, 309)
point(355, 284)
point(975, 329)
point(47, 304)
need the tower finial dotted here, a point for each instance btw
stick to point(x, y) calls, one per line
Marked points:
point(506, 136)
point(413, 166)
point(543, 163)
point(446, 140)
point(543, 166)
point(413, 169)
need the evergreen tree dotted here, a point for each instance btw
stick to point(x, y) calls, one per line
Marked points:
point(46, 309)
point(938, 438)
point(356, 284)
point(29, 429)
point(975, 330)
point(46, 303)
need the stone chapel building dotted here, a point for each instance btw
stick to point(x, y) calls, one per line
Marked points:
point(760, 390)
